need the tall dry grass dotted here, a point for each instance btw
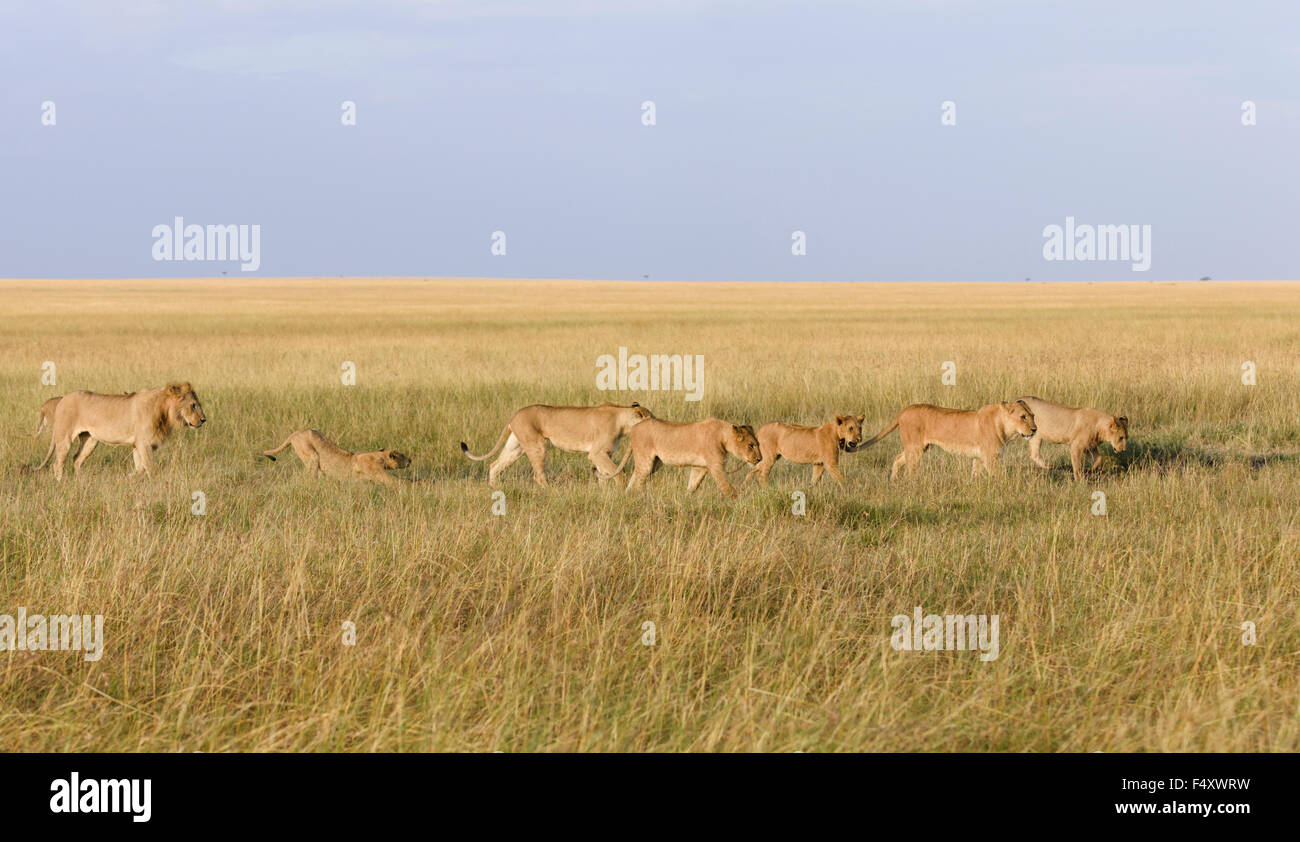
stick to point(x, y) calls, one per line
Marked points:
point(523, 631)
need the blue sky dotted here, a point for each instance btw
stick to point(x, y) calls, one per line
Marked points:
point(770, 118)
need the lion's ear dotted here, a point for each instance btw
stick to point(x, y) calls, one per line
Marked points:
point(839, 419)
point(176, 389)
point(861, 418)
point(634, 403)
point(1123, 419)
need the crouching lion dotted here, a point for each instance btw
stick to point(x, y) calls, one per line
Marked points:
point(701, 445)
point(978, 433)
point(1082, 429)
point(817, 446)
point(142, 420)
point(593, 430)
point(322, 456)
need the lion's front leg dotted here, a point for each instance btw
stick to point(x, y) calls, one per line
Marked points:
point(1035, 443)
point(601, 457)
point(988, 460)
point(719, 473)
point(833, 468)
point(1077, 452)
point(143, 459)
point(642, 467)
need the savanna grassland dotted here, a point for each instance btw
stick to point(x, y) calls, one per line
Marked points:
point(523, 632)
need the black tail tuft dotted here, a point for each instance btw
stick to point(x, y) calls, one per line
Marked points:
point(464, 447)
point(269, 456)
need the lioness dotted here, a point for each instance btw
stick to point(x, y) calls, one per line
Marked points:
point(1081, 429)
point(141, 419)
point(593, 430)
point(979, 433)
point(818, 446)
point(701, 445)
point(322, 456)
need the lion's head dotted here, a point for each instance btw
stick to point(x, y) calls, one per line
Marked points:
point(743, 444)
point(1020, 418)
point(393, 460)
point(1116, 433)
point(633, 415)
point(848, 431)
point(181, 407)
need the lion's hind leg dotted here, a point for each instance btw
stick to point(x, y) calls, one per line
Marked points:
point(88, 443)
point(510, 453)
point(62, 444)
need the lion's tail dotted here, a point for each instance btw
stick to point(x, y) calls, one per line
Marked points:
point(41, 424)
point(504, 434)
point(270, 454)
point(49, 453)
point(880, 435)
point(618, 469)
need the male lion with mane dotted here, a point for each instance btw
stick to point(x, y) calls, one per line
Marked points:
point(978, 433)
point(593, 430)
point(702, 446)
point(141, 420)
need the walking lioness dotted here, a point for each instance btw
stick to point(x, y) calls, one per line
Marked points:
point(143, 420)
point(980, 433)
point(1082, 429)
point(818, 446)
point(702, 445)
point(322, 456)
point(593, 430)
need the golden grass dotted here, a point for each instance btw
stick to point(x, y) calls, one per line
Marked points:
point(522, 632)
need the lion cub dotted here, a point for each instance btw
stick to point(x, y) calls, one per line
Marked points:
point(1082, 429)
point(322, 456)
point(978, 433)
point(702, 446)
point(816, 446)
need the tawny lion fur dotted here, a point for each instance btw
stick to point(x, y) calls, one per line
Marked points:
point(593, 430)
point(1082, 429)
point(140, 420)
point(816, 446)
point(701, 445)
point(978, 433)
point(322, 456)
